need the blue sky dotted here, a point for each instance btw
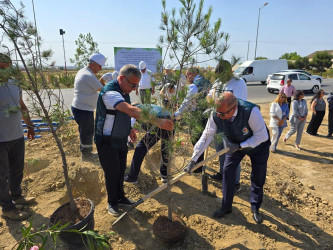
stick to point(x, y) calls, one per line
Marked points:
point(303, 26)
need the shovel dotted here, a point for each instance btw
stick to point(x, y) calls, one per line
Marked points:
point(171, 182)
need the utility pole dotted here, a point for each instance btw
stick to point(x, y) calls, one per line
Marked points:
point(248, 48)
point(255, 51)
point(62, 32)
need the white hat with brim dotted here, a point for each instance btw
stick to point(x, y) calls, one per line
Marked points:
point(98, 58)
point(168, 66)
point(142, 65)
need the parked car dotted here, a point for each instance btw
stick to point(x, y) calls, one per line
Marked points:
point(316, 77)
point(301, 81)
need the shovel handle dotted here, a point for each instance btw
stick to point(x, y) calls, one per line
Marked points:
point(181, 175)
point(171, 182)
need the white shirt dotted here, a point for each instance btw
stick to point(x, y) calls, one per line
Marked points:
point(107, 77)
point(256, 123)
point(146, 79)
point(189, 101)
point(182, 81)
point(236, 86)
point(275, 110)
point(111, 99)
point(85, 90)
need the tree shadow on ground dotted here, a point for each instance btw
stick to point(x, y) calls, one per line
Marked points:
point(137, 227)
point(280, 221)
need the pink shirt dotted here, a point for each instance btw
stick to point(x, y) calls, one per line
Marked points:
point(288, 91)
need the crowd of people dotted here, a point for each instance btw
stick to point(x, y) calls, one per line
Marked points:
point(233, 123)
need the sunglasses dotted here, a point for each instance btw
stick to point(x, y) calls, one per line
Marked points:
point(134, 86)
point(226, 113)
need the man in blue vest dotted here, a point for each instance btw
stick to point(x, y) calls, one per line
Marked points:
point(152, 136)
point(195, 97)
point(112, 128)
point(245, 130)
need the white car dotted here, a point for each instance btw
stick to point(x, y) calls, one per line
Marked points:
point(300, 80)
point(316, 77)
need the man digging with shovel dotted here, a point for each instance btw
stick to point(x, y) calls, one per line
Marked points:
point(245, 130)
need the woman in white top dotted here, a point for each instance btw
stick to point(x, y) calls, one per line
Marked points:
point(279, 112)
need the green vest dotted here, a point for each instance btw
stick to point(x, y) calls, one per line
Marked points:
point(122, 123)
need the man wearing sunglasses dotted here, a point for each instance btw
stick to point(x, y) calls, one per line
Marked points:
point(112, 128)
point(246, 134)
point(227, 81)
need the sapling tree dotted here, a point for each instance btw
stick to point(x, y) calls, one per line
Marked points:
point(188, 38)
point(45, 98)
point(86, 46)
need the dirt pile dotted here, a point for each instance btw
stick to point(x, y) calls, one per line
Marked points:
point(297, 206)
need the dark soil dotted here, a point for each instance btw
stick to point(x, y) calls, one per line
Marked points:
point(169, 232)
point(65, 215)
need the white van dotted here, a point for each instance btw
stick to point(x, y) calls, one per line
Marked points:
point(258, 70)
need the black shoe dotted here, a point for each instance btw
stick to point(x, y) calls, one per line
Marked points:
point(126, 202)
point(89, 156)
point(221, 212)
point(257, 216)
point(216, 177)
point(113, 210)
point(237, 188)
point(130, 179)
point(164, 179)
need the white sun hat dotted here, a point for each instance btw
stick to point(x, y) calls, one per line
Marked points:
point(142, 65)
point(98, 58)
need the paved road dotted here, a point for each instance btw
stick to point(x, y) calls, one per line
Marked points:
point(257, 93)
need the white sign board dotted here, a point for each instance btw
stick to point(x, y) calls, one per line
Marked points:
point(123, 56)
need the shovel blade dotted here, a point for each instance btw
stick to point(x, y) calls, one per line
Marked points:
point(119, 218)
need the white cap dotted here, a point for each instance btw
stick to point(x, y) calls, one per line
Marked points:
point(177, 67)
point(115, 74)
point(98, 58)
point(168, 66)
point(142, 65)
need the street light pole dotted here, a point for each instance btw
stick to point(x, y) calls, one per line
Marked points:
point(62, 32)
point(255, 51)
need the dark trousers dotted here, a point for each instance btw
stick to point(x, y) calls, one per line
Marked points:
point(219, 145)
point(148, 141)
point(11, 172)
point(145, 96)
point(330, 121)
point(85, 122)
point(259, 157)
point(289, 102)
point(113, 162)
point(315, 122)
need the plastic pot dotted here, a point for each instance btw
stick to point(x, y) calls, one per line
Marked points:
point(75, 240)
